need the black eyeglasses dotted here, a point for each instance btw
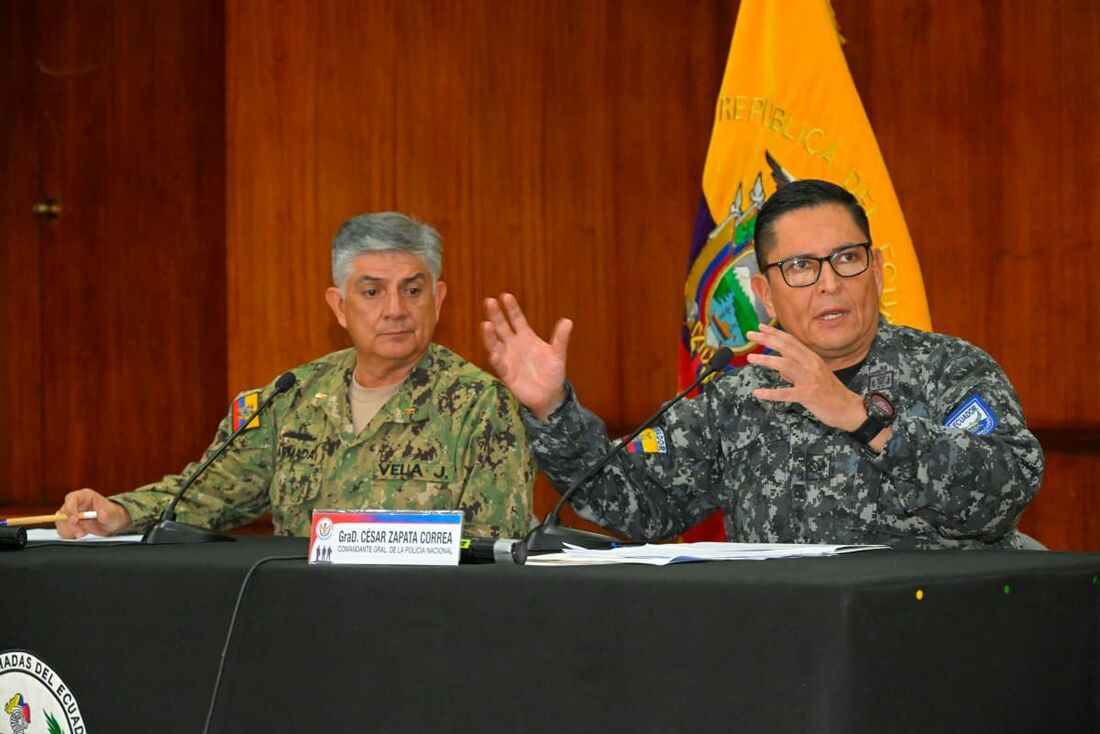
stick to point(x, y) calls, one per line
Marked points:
point(804, 270)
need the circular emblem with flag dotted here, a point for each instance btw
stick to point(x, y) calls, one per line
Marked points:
point(721, 307)
point(35, 699)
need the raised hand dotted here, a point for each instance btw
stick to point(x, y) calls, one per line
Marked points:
point(813, 384)
point(533, 369)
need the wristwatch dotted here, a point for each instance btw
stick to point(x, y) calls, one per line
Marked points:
point(880, 414)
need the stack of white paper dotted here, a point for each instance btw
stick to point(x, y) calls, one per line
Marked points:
point(49, 535)
point(661, 555)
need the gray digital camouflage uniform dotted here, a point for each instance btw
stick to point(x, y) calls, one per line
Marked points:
point(450, 438)
point(782, 476)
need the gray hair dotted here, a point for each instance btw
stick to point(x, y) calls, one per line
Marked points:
point(382, 232)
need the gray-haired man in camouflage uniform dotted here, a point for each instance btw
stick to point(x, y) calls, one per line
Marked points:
point(849, 431)
point(395, 422)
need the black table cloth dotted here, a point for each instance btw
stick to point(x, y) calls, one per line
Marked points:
point(875, 641)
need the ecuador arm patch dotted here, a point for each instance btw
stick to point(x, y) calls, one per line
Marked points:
point(244, 408)
point(973, 415)
point(649, 441)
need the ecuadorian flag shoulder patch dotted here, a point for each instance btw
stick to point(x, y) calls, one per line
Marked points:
point(649, 441)
point(244, 409)
point(973, 415)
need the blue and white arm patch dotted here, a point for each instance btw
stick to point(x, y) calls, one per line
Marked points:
point(973, 415)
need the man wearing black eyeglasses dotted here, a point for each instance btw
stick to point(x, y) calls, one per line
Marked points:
point(847, 430)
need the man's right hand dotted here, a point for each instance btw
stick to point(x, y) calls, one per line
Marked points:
point(531, 368)
point(111, 517)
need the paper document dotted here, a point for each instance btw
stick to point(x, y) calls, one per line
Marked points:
point(661, 555)
point(49, 535)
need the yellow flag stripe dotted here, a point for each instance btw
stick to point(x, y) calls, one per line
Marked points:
point(787, 91)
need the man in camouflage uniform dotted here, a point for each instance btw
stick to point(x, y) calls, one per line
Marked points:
point(849, 431)
point(395, 422)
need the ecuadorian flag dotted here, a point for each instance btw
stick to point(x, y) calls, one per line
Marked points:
point(788, 109)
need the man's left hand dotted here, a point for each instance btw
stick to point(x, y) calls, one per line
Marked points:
point(813, 384)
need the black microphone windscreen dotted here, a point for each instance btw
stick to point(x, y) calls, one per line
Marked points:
point(12, 538)
point(287, 380)
point(720, 359)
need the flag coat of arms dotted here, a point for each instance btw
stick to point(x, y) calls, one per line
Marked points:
point(787, 110)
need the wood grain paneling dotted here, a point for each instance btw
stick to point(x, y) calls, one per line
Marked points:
point(20, 352)
point(1066, 513)
point(130, 119)
point(525, 132)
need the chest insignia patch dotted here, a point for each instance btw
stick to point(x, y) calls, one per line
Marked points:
point(881, 381)
point(818, 468)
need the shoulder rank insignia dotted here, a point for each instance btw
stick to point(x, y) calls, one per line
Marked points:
point(973, 415)
point(244, 407)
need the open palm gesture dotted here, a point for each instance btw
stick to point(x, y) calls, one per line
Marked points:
point(533, 369)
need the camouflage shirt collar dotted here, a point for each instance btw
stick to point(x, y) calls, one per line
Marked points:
point(882, 364)
point(331, 391)
point(411, 403)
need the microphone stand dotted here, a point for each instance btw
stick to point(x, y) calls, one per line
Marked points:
point(167, 530)
point(550, 535)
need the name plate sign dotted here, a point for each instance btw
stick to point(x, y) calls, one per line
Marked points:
point(385, 537)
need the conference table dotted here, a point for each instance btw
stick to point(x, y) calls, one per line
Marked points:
point(869, 642)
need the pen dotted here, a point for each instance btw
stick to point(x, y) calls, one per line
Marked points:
point(46, 519)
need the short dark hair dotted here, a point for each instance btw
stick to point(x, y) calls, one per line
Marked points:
point(804, 194)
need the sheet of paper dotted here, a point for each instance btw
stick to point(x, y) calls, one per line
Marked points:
point(661, 555)
point(49, 535)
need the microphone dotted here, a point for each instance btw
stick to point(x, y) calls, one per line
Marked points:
point(549, 535)
point(167, 530)
point(492, 550)
point(13, 538)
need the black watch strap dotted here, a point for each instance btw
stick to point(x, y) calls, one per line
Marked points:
point(880, 414)
point(870, 428)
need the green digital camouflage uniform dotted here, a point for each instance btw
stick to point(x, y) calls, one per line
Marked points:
point(959, 468)
point(450, 438)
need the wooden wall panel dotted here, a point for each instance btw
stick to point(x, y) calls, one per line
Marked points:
point(275, 313)
point(20, 349)
point(1066, 513)
point(525, 132)
point(662, 122)
point(558, 147)
point(131, 132)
